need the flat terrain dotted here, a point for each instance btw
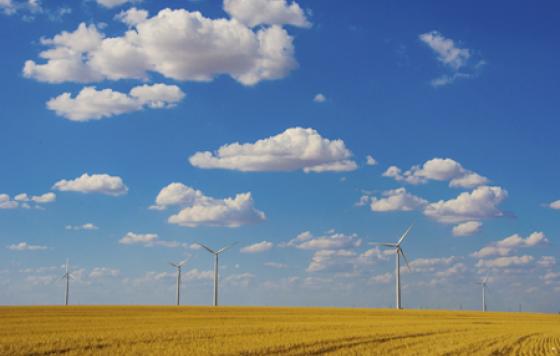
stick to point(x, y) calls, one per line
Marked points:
point(272, 331)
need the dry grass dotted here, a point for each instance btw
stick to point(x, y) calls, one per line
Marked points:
point(272, 331)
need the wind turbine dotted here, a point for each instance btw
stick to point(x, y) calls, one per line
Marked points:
point(67, 276)
point(484, 284)
point(178, 267)
point(398, 251)
point(216, 254)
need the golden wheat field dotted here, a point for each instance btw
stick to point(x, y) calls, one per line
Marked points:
point(272, 331)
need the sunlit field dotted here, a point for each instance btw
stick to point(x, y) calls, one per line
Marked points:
point(272, 331)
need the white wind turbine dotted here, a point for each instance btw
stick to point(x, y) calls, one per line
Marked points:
point(484, 285)
point(67, 276)
point(178, 266)
point(216, 254)
point(398, 252)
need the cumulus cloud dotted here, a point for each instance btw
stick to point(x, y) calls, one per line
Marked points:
point(370, 161)
point(384, 278)
point(343, 261)
point(87, 226)
point(555, 205)
point(331, 241)
point(113, 3)
point(429, 264)
point(103, 272)
point(22, 200)
point(294, 149)
point(481, 203)
point(95, 183)
point(458, 61)
point(502, 262)
point(507, 245)
point(176, 44)
point(132, 16)
point(151, 240)
point(547, 261)
point(24, 246)
point(396, 200)
point(438, 169)
point(258, 247)
point(467, 228)
point(93, 104)
point(448, 53)
point(265, 12)
point(198, 209)
point(319, 98)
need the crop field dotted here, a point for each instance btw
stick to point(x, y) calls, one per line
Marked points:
point(114, 330)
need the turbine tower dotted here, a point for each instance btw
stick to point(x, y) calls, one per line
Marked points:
point(484, 284)
point(178, 267)
point(398, 251)
point(67, 277)
point(216, 254)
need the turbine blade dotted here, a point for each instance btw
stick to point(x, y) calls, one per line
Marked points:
point(173, 264)
point(386, 244)
point(405, 234)
point(207, 248)
point(223, 249)
point(486, 278)
point(184, 262)
point(405, 260)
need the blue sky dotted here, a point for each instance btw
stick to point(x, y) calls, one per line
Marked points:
point(107, 103)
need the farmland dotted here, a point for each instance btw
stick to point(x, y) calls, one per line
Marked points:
point(112, 330)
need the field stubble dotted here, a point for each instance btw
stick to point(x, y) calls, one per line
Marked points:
point(114, 330)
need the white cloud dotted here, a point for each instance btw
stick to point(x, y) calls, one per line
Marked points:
point(438, 169)
point(454, 270)
point(132, 16)
point(555, 205)
point(240, 280)
point(93, 104)
point(24, 246)
point(95, 183)
point(87, 226)
point(21, 197)
point(132, 238)
point(505, 246)
point(448, 53)
point(331, 241)
point(265, 12)
point(427, 264)
point(8, 7)
point(113, 3)
point(319, 98)
point(396, 200)
point(467, 228)
point(258, 247)
point(45, 198)
point(103, 272)
point(276, 265)
point(197, 275)
point(502, 262)
point(177, 44)
point(381, 278)
point(343, 261)
point(294, 149)
point(547, 261)
point(481, 203)
point(198, 209)
point(370, 161)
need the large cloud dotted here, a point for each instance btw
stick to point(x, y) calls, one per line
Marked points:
point(294, 149)
point(177, 44)
point(438, 169)
point(93, 104)
point(95, 183)
point(266, 12)
point(198, 209)
point(481, 203)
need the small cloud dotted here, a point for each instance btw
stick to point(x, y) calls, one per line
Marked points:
point(88, 226)
point(258, 247)
point(319, 98)
point(466, 229)
point(24, 246)
point(555, 205)
point(370, 161)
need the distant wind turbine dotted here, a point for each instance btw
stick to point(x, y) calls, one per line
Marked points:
point(398, 252)
point(216, 254)
point(484, 284)
point(178, 267)
point(67, 276)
